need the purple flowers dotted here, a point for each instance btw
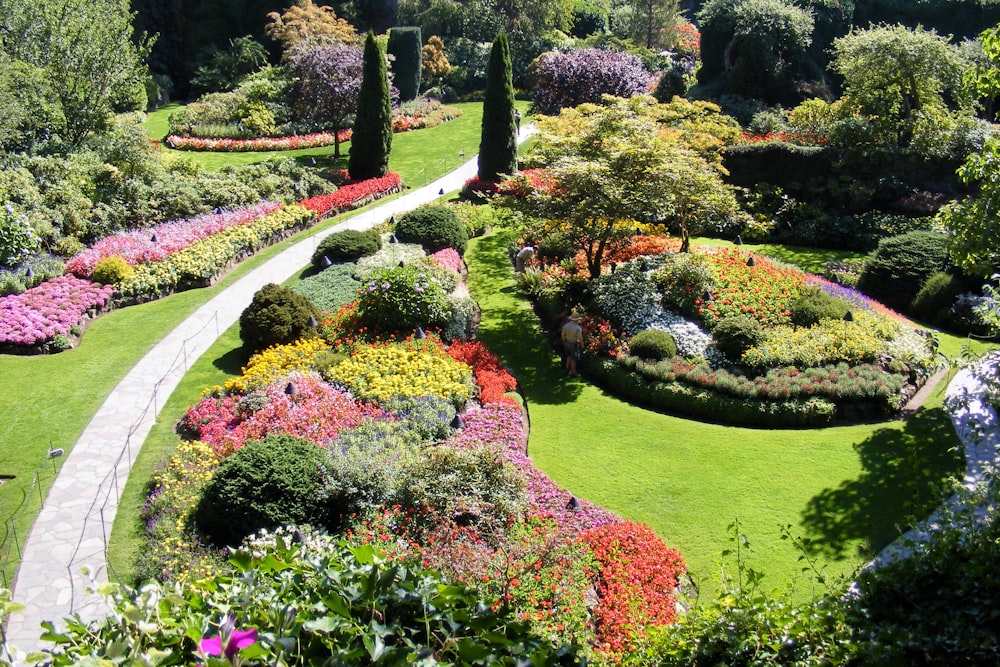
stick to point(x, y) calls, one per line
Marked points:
point(156, 244)
point(49, 309)
point(230, 641)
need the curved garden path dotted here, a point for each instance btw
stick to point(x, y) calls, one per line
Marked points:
point(73, 526)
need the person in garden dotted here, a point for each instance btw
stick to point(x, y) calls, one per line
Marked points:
point(517, 120)
point(572, 339)
point(524, 257)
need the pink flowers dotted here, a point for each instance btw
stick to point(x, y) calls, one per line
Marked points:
point(139, 247)
point(311, 409)
point(353, 194)
point(314, 140)
point(51, 308)
point(229, 642)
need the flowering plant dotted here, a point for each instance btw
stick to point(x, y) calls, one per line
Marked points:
point(494, 380)
point(402, 298)
point(50, 309)
point(353, 194)
point(291, 143)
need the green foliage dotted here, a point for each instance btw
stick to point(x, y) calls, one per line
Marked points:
point(465, 487)
point(975, 238)
point(433, 226)
point(312, 599)
point(347, 245)
point(736, 334)
point(223, 69)
point(901, 265)
point(266, 483)
point(652, 344)
point(113, 270)
point(402, 298)
point(682, 280)
point(31, 109)
point(651, 24)
point(673, 82)
point(17, 239)
point(276, 315)
point(405, 44)
point(371, 141)
point(498, 142)
point(331, 288)
point(934, 300)
point(814, 305)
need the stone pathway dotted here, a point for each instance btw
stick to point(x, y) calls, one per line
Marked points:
point(72, 528)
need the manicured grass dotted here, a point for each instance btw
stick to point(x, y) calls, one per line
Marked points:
point(419, 157)
point(846, 491)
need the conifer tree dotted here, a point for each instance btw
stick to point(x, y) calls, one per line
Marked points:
point(372, 137)
point(498, 143)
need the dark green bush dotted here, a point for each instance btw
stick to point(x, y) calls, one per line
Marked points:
point(933, 302)
point(652, 344)
point(735, 335)
point(814, 305)
point(434, 227)
point(901, 265)
point(276, 315)
point(267, 483)
point(347, 246)
point(405, 45)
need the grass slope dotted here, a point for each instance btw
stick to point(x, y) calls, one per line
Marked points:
point(845, 491)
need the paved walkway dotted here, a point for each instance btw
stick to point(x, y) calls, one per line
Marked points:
point(72, 528)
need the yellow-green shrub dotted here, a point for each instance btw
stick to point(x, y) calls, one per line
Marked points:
point(112, 270)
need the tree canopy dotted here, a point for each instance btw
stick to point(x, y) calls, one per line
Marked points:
point(305, 22)
point(327, 83)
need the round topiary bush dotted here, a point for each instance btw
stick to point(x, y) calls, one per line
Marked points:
point(901, 265)
point(434, 227)
point(277, 315)
point(735, 335)
point(652, 344)
point(934, 300)
point(814, 305)
point(113, 270)
point(347, 246)
point(266, 483)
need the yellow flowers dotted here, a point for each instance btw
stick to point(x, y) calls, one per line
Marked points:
point(379, 372)
point(275, 363)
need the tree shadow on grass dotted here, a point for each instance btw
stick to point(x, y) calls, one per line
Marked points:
point(511, 330)
point(902, 482)
point(232, 362)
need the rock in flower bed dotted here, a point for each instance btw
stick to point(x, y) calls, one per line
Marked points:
point(314, 140)
point(34, 320)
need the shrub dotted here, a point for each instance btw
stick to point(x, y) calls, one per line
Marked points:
point(901, 265)
point(434, 227)
point(652, 344)
point(330, 289)
point(933, 302)
point(570, 78)
point(682, 280)
point(265, 484)
point(112, 270)
point(402, 298)
point(347, 246)
point(814, 305)
point(465, 487)
point(737, 334)
point(276, 315)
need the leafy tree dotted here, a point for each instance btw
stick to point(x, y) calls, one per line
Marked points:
point(31, 111)
point(404, 46)
point(224, 69)
point(759, 45)
point(306, 22)
point(328, 82)
point(372, 139)
point(893, 74)
point(498, 142)
point(975, 231)
point(434, 62)
point(651, 23)
point(88, 48)
point(608, 169)
point(570, 78)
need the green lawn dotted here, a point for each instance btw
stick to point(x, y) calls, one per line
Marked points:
point(50, 399)
point(846, 491)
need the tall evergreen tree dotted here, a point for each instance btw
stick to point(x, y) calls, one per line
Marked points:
point(372, 138)
point(498, 143)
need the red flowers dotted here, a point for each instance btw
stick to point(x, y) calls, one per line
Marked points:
point(353, 194)
point(494, 381)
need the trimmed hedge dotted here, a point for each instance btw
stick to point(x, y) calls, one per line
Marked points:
point(434, 227)
point(347, 246)
point(695, 403)
point(901, 265)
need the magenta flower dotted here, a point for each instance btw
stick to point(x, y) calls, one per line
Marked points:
point(239, 639)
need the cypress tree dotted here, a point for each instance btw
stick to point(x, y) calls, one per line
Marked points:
point(405, 45)
point(498, 143)
point(372, 137)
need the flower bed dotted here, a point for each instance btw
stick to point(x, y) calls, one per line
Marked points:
point(159, 242)
point(353, 194)
point(201, 262)
point(315, 140)
point(54, 308)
